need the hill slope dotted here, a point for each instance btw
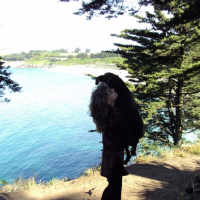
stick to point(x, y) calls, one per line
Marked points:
point(156, 180)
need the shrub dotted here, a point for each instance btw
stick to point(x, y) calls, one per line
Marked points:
point(82, 55)
point(3, 182)
point(53, 181)
point(90, 171)
point(70, 57)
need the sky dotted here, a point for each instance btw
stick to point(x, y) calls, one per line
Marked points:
point(49, 24)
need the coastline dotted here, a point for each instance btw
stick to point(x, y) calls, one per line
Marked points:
point(89, 69)
point(92, 69)
point(174, 176)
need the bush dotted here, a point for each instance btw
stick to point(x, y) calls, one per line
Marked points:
point(90, 171)
point(70, 57)
point(53, 181)
point(103, 55)
point(82, 55)
point(3, 182)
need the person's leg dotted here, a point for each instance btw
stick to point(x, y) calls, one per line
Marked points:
point(113, 190)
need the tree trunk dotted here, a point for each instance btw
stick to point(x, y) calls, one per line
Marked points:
point(178, 125)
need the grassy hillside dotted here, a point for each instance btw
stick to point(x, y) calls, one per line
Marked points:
point(55, 58)
point(73, 61)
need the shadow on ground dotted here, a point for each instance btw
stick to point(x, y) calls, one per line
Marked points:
point(166, 181)
point(156, 180)
point(2, 198)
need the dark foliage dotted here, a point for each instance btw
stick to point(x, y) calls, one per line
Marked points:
point(164, 63)
point(82, 55)
point(114, 8)
point(6, 82)
point(110, 8)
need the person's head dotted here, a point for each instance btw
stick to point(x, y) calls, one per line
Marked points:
point(101, 98)
point(114, 81)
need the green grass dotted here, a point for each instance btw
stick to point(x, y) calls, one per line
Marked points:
point(74, 61)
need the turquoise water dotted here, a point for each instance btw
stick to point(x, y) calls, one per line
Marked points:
point(44, 129)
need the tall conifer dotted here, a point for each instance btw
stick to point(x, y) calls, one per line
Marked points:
point(164, 62)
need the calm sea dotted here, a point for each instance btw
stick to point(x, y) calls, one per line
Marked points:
point(44, 129)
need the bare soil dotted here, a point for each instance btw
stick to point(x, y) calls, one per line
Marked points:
point(155, 180)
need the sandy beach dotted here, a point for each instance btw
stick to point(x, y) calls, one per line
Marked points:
point(75, 69)
point(84, 69)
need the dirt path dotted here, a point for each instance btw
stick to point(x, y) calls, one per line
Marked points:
point(156, 180)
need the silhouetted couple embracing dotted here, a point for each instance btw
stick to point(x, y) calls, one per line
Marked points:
point(116, 116)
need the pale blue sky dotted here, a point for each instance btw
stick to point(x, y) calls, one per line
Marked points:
point(49, 24)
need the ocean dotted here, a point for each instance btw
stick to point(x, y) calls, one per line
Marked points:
point(44, 128)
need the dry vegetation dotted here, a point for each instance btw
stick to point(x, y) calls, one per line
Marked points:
point(176, 169)
point(183, 151)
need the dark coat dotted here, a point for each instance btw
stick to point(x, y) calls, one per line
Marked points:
point(114, 138)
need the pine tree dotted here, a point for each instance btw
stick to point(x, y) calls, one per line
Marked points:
point(77, 50)
point(114, 8)
point(164, 62)
point(6, 82)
